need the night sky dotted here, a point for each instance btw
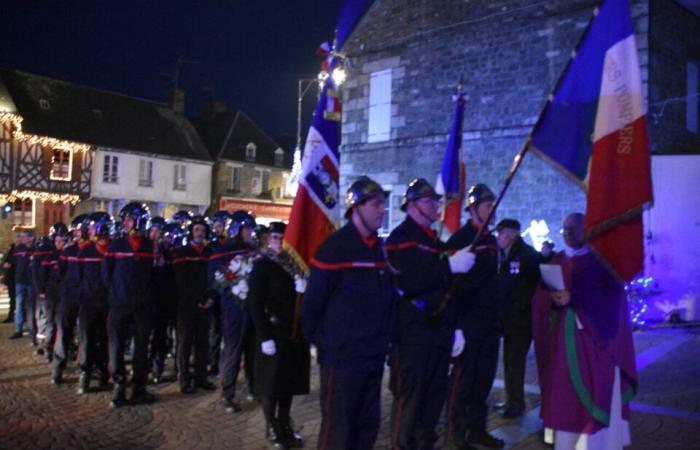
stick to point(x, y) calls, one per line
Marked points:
point(249, 53)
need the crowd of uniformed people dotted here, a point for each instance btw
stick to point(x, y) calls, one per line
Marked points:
point(163, 292)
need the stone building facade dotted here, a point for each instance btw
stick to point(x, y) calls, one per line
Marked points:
point(511, 54)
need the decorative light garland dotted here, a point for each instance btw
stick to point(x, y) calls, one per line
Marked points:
point(639, 292)
point(16, 121)
point(38, 195)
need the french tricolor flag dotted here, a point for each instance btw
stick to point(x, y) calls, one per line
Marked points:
point(594, 129)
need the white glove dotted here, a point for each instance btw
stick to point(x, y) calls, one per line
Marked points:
point(268, 347)
point(300, 284)
point(458, 343)
point(462, 261)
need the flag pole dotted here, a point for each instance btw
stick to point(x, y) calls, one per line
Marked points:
point(517, 161)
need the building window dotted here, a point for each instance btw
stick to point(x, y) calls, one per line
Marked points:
point(250, 151)
point(265, 185)
point(379, 126)
point(44, 104)
point(24, 213)
point(180, 183)
point(145, 173)
point(387, 222)
point(279, 157)
point(61, 160)
point(110, 170)
point(693, 100)
point(234, 179)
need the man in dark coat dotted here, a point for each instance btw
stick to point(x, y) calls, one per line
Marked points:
point(24, 311)
point(347, 313)
point(190, 265)
point(518, 275)
point(479, 314)
point(127, 274)
point(68, 304)
point(219, 243)
point(92, 316)
point(8, 277)
point(282, 363)
point(43, 310)
point(426, 334)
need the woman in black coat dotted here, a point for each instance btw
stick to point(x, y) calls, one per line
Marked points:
point(282, 362)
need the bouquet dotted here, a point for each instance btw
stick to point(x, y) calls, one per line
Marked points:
point(233, 278)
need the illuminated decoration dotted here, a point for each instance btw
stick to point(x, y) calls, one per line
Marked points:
point(639, 291)
point(293, 180)
point(538, 232)
point(38, 195)
point(16, 121)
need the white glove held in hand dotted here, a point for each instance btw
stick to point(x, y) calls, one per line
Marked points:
point(299, 284)
point(462, 261)
point(268, 347)
point(458, 343)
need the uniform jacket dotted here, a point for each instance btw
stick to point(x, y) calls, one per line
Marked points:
point(43, 251)
point(48, 279)
point(127, 271)
point(93, 291)
point(423, 279)
point(348, 305)
point(477, 290)
point(21, 262)
point(271, 300)
point(164, 284)
point(518, 276)
point(69, 265)
point(191, 274)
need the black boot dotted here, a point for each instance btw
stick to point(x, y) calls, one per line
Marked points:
point(118, 395)
point(104, 379)
point(84, 382)
point(140, 396)
point(275, 436)
point(292, 439)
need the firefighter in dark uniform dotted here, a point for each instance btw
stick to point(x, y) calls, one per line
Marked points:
point(164, 293)
point(282, 361)
point(426, 336)
point(8, 277)
point(127, 274)
point(479, 313)
point(190, 264)
point(48, 285)
point(236, 325)
point(68, 305)
point(92, 317)
point(44, 311)
point(518, 276)
point(347, 314)
point(219, 224)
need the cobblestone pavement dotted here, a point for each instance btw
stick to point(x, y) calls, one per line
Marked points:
point(37, 415)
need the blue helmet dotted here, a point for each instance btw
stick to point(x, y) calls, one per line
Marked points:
point(240, 219)
point(103, 223)
point(58, 229)
point(77, 222)
point(221, 216)
point(182, 217)
point(156, 221)
point(138, 212)
point(173, 234)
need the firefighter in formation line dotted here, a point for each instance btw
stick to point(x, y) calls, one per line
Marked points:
point(218, 292)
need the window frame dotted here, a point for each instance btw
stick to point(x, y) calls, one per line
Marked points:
point(110, 169)
point(147, 166)
point(23, 213)
point(69, 169)
point(180, 175)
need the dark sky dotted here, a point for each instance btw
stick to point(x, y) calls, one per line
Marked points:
point(251, 53)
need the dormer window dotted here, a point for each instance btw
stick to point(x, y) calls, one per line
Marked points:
point(250, 151)
point(44, 104)
point(61, 162)
point(279, 157)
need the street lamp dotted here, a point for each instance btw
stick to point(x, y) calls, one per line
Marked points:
point(303, 86)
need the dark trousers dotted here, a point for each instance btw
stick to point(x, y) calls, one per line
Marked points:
point(236, 331)
point(215, 335)
point(66, 318)
point(350, 405)
point(419, 379)
point(515, 349)
point(470, 385)
point(92, 343)
point(119, 321)
point(276, 409)
point(46, 319)
point(164, 321)
point(192, 331)
point(11, 293)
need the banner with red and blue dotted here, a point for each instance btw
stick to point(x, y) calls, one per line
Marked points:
point(316, 210)
point(451, 180)
point(594, 129)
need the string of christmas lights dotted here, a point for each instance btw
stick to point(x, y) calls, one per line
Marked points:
point(16, 121)
point(37, 195)
point(639, 292)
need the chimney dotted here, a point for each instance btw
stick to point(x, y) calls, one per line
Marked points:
point(213, 107)
point(176, 99)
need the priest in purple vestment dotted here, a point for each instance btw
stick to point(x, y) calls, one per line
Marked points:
point(584, 349)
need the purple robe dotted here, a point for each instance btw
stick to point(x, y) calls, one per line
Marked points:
point(576, 367)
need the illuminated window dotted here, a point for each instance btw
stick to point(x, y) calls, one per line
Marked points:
point(180, 182)
point(250, 151)
point(61, 164)
point(110, 170)
point(145, 173)
point(24, 213)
